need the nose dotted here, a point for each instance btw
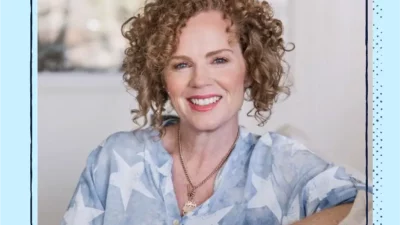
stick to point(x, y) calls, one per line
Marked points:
point(200, 77)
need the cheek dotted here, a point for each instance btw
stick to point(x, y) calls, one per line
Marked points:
point(174, 84)
point(234, 82)
point(176, 87)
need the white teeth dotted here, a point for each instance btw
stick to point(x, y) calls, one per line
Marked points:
point(205, 101)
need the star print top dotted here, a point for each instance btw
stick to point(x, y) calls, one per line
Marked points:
point(268, 179)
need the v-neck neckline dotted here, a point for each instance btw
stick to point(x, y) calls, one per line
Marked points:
point(175, 211)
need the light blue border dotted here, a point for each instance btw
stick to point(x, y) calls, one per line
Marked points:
point(14, 112)
point(386, 65)
point(34, 115)
point(377, 113)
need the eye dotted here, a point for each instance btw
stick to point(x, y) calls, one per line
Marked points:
point(220, 60)
point(181, 66)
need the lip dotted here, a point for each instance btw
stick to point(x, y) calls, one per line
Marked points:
point(203, 108)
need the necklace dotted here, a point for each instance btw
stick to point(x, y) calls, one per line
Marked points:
point(190, 204)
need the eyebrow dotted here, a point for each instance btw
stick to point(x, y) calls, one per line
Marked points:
point(217, 51)
point(209, 54)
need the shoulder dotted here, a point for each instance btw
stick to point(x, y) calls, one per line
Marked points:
point(130, 138)
point(125, 144)
point(300, 178)
point(281, 147)
point(120, 151)
point(281, 156)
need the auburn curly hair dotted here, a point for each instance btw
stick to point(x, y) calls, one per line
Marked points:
point(153, 37)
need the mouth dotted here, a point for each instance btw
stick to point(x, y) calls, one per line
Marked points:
point(204, 103)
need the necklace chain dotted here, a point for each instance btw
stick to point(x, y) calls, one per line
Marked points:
point(193, 187)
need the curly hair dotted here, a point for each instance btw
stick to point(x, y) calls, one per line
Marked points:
point(153, 37)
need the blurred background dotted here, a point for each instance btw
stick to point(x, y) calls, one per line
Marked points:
point(82, 100)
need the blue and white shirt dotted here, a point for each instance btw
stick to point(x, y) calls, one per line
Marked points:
point(268, 179)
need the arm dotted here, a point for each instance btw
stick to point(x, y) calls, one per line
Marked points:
point(319, 190)
point(331, 216)
point(85, 204)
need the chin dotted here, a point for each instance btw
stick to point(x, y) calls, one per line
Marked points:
point(210, 120)
point(210, 123)
point(205, 125)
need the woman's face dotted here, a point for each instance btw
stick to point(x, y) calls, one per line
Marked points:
point(205, 76)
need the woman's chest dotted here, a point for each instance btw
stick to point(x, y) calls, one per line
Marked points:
point(207, 214)
point(192, 188)
point(246, 192)
point(245, 199)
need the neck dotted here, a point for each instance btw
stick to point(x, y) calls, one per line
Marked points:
point(201, 145)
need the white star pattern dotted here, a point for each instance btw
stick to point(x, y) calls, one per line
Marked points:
point(293, 213)
point(211, 219)
point(204, 207)
point(163, 170)
point(266, 139)
point(321, 185)
point(128, 169)
point(128, 178)
point(265, 196)
point(168, 187)
point(79, 214)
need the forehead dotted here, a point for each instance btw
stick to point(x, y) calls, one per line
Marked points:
point(206, 29)
point(208, 19)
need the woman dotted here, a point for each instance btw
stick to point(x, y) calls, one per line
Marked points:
point(203, 57)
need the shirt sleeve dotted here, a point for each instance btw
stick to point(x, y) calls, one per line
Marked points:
point(86, 205)
point(314, 184)
point(331, 187)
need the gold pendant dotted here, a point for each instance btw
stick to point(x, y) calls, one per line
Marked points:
point(188, 207)
point(190, 204)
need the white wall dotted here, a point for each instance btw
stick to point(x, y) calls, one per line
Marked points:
point(326, 109)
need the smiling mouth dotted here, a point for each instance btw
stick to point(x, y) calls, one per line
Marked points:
point(205, 101)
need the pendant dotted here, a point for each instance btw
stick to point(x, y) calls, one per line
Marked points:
point(188, 207)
